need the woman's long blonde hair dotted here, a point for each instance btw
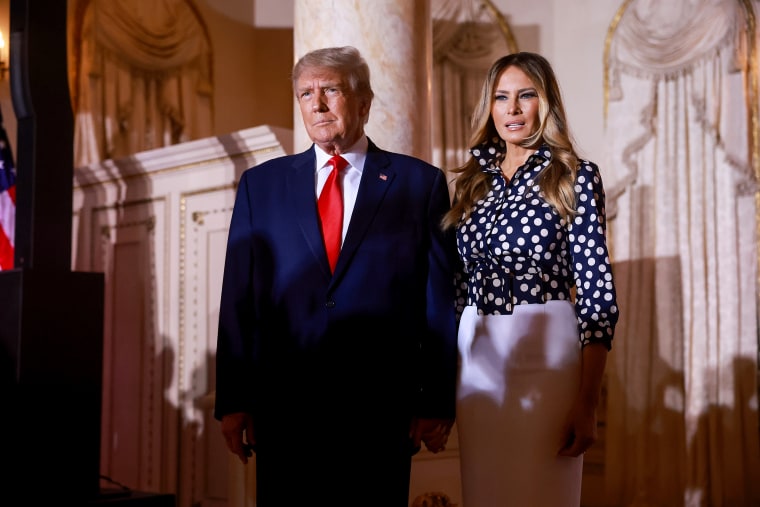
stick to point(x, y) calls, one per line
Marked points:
point(557, 180)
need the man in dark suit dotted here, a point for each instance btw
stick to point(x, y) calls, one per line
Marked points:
point(334, 375)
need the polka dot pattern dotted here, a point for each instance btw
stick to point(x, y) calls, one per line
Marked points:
point(517, 250)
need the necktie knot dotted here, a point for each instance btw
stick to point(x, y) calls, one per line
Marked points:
point(339, 163)
point(330, 206)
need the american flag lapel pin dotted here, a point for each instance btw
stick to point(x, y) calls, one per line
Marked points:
point(383, 176)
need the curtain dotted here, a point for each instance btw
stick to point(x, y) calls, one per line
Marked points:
point(682, 420)
point(142, 78)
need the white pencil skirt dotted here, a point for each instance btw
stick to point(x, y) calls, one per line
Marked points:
point(518, 377)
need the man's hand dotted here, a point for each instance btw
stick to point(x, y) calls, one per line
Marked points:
point(433, 432)
point(239, 435)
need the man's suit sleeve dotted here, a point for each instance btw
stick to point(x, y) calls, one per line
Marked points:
point(439, 346)
point(235, 333)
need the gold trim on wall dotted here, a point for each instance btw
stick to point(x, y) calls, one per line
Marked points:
point(606, 63)
point(752, 85)
point(751, 71)
point(503, 25)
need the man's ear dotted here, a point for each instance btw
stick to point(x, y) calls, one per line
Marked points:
point(364, 109)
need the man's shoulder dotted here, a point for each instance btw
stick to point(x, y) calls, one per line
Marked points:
point(398, 158)
point(276, 165)
point(410, 159)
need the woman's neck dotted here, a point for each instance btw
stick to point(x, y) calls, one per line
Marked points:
point(515, 157)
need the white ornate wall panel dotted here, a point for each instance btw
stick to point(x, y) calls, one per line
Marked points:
point(130, 247)
point(205, 216)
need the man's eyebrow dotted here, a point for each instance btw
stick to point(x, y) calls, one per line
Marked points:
point(323, 84)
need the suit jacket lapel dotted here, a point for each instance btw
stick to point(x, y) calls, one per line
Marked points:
point(376, 180)
point(302, 199)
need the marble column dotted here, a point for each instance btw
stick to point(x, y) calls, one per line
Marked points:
point(395, 37)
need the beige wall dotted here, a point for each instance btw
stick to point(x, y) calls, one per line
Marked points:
point(251, 72)
point(571, 35)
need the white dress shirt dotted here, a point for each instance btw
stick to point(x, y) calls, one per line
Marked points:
point(355, 156)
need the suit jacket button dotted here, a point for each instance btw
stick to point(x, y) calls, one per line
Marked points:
point(330, 304)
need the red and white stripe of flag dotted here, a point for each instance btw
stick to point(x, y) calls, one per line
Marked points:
point(7, 226)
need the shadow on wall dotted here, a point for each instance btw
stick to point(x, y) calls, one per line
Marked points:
point(667, 441)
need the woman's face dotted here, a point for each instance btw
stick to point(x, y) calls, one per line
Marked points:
point(515, 106)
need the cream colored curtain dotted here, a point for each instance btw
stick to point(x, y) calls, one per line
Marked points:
point(682, 421)
point(468, 36)
point(143, 78)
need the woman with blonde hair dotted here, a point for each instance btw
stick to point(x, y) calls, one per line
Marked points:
point(537, 298)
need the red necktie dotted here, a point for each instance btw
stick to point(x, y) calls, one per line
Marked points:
point(330, 206)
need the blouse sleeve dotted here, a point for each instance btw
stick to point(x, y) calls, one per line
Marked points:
point(596, 302)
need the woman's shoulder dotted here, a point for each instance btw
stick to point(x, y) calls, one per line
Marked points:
point(587, 165)
point(588, 169)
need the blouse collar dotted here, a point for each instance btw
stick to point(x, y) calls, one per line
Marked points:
point(491, 152)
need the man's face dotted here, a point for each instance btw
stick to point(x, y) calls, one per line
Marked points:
point(333, 116)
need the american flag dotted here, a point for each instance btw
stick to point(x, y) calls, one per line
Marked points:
point(7, 201)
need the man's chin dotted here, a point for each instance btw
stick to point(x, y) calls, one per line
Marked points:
point(318, 132)
point(322, 137)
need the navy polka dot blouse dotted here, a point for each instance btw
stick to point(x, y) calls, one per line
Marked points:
point(517, 249)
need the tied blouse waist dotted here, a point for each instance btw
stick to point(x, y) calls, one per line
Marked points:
point(497, 287)
point(517, 250)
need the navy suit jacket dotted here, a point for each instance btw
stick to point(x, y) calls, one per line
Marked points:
point(376, 337)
